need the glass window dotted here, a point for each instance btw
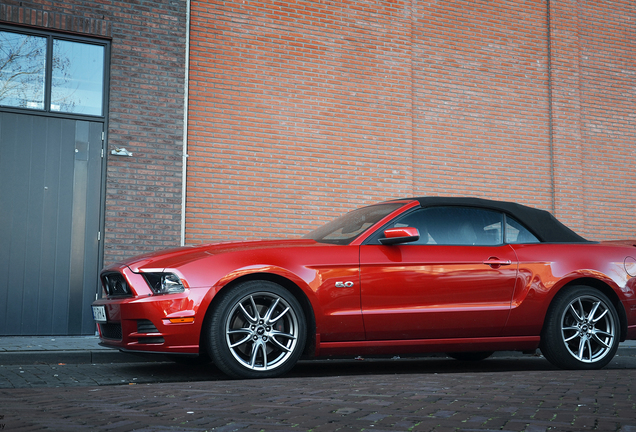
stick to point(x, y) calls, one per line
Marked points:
point(42, 72)
point(517, 233)
point(346, 228)
point(77, 78)
point(22, 70)
point(454, 226)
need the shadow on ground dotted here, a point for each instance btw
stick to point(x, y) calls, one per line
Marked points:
point(175, 372)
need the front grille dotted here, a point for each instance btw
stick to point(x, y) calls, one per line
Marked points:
point(115, 285)
point(146, 326)
point(110, 331)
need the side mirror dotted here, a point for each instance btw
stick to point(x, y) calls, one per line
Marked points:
point(400, 235)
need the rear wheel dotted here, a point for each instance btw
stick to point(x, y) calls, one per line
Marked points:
point(581, 330)
point(257, 330)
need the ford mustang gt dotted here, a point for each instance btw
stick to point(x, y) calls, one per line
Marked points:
point(462, 276)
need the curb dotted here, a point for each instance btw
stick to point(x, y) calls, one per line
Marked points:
point(71, 357)
point(626, 351)
point(103, 356)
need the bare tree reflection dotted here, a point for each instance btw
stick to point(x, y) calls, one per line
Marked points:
point(22, 69)
point(62, 89)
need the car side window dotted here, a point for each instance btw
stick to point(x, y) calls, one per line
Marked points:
point(517, 233)
point(452, 225)
point(414, 219)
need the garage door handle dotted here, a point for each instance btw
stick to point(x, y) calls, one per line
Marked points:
point(497, 262)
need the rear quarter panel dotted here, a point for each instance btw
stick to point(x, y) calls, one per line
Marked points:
point(544, 269)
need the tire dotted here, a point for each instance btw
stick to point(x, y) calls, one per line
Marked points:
point(581, 330)
point(471, 356)
point(257, 330)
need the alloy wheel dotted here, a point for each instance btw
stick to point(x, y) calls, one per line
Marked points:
point(261, 331)
point(588, 329)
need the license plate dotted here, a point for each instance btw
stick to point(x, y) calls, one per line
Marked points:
point(99, 314)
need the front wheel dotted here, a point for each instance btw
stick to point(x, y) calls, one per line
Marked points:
point(257, 330)
point(581, 330)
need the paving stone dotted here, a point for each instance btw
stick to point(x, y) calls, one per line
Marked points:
point(165, 397)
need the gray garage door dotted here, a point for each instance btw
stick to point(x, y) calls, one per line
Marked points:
point(50, 186)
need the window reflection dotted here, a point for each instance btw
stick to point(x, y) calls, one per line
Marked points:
point(455, 226)
point(517, 233)
point(77, 78)
point(22, 70)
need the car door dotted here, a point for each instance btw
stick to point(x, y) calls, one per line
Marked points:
point(457, 280)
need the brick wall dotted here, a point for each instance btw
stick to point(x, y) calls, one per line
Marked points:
point(482, 103)
point(298, 111)
point(143, 192)
point(301, 110)
point(594, 90)
point(143, 207)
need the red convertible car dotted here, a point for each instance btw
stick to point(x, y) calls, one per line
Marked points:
point(463, 276)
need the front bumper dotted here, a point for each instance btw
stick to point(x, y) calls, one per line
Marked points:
point(144, 322)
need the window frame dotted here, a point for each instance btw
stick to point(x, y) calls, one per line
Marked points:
point(505, 231)
point(373, 239)
point(51, 36)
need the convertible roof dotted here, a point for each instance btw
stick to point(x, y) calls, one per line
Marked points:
point(540, 222)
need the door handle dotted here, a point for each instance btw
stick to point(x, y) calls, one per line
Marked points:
point(496, 262)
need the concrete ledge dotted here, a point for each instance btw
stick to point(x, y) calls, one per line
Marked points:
point(71, 357)
point(114, 356)
point(628, 350)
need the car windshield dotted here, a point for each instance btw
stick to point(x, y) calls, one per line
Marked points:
point(343, 230)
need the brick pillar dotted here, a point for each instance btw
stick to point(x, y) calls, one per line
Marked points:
point(565, 87)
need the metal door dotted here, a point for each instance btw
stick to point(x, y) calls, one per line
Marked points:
point(50, 197)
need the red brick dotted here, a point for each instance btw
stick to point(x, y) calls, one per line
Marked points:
point(327, 107)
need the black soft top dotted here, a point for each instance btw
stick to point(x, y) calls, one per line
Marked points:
point(540, 222)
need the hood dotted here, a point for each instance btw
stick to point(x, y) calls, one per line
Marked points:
point(178, 256)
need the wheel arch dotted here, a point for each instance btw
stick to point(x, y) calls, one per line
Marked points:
point(605, 289)
point(286, 283)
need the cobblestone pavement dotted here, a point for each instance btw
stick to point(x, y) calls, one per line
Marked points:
point(431, 394)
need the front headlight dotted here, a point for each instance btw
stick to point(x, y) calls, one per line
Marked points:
point(164, 283)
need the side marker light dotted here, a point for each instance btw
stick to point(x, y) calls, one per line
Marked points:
point(182, 320)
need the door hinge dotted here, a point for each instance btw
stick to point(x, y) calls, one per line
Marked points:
point(102, 136)
point(99, 235)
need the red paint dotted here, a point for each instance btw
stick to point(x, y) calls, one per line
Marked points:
point(375, 298)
